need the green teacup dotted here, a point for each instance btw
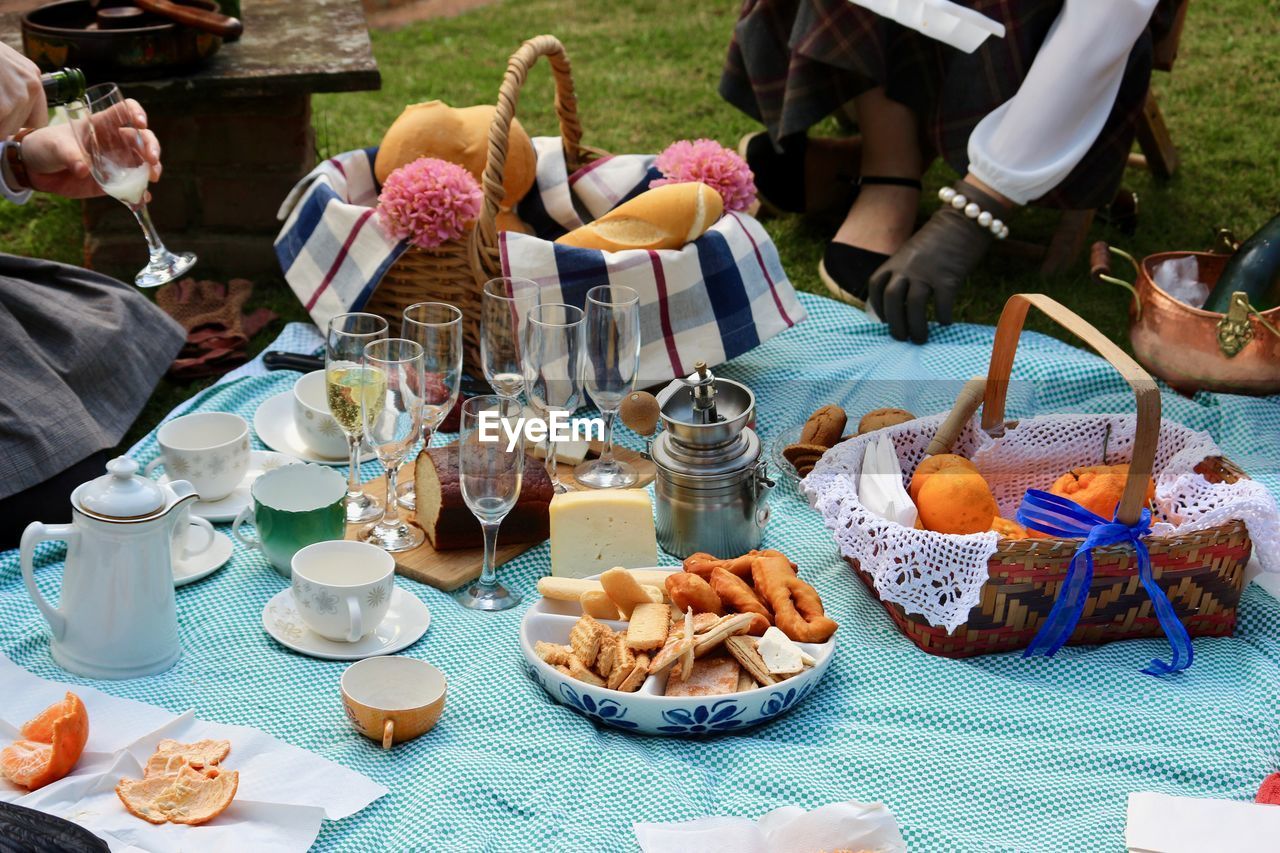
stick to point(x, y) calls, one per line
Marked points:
point(293, 507)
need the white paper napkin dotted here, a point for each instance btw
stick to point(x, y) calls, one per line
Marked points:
point(283, 795)
point(1160, 823)
point(790, 829)
point(950, 23)
point(880, 484)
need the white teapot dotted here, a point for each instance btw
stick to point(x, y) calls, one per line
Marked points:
point(117, 617)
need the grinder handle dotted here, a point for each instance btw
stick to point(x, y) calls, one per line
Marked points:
point(201, 19)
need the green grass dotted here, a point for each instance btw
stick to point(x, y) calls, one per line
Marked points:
point(646, 74)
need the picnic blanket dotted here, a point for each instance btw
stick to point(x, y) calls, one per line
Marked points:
point(993, 753)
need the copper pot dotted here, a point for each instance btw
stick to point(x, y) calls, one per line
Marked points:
point(1191, 349)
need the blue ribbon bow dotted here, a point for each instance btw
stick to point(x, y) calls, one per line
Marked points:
point(1064, 518)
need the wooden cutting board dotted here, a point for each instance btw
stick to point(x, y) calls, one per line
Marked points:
point(448, 570)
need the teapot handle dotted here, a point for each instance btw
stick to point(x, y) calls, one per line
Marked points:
point(35, 533)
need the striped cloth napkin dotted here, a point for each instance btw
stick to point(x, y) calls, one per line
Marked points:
point(716, 298)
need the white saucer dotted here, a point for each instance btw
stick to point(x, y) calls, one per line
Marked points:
point(226, 509)
point(205, 563)
point(273, 422)
point(406, 621)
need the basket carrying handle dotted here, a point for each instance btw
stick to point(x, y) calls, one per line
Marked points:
point(508, 97)
point(993, 391)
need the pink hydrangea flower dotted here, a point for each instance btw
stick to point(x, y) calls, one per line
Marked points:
point(429, 202)
point(711, 163)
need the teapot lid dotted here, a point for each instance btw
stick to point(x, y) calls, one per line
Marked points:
point(121, 493)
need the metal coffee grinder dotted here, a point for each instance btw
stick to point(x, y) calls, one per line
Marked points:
point(712, 483)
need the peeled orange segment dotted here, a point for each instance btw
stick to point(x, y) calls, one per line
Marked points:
point(52, 744)
point(171, 756)
point(190, 796)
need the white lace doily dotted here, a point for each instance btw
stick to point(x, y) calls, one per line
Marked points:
point(940, 576)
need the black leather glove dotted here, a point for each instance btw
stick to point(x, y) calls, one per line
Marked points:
point(935, 260)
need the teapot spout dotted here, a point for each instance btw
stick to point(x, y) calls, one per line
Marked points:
point(183, 491)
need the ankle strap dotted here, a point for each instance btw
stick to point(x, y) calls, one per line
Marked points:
point(889, 181)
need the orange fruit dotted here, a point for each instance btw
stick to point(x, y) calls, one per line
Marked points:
point(956, 500)
point(1008, 528)
point(189, 796)
point(932, 465)
point(51, 745)
point(1097, 488)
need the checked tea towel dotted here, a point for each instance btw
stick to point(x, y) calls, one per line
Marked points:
point(713, 300)
point(987, 754)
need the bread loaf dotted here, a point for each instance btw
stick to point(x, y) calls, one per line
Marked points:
point(435, 129)
point(665, 217)
point(449, 524)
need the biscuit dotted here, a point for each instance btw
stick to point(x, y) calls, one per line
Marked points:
point(625, 591)
point(744, 652)
point(608, 656)
point(553, 653)
point(711, 676)
point(585, 638)
point(881, 418)
point(638, 674)
point(824, 426)
point(581, 670)
point(649, 626)
point(597, 604)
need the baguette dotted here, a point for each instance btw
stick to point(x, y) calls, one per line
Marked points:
point(665, 217)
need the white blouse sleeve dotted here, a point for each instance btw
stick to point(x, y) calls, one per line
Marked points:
point(6, 180)
point(1027, 145)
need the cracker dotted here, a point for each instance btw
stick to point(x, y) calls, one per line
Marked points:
point(744, 652)
point(711, 676)
point(649, 626)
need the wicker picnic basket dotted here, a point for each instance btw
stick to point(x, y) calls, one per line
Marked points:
point(1202, 572)
point(456, 271)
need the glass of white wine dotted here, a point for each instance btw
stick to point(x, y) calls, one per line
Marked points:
point(504, 314)
point(344, 384)
point(104, 125)
point(393, 406)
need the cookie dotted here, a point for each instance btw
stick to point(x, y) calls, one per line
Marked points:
point(824, 426)
point(881, 418)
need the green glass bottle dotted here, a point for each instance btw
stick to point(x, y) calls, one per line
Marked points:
point(63, 86)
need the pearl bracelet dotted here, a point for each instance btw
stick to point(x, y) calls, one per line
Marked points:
point(949, 195)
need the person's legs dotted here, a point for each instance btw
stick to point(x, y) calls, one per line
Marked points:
point(883, 215)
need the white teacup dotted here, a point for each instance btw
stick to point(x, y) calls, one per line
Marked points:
point(208, 449)
point(316, 427)
point(342, 589)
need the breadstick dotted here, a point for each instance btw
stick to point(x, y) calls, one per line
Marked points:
point(625, 591)
point(598, 604)
point(571, 589)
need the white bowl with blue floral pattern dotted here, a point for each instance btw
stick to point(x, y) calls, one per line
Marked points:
point(647, 711)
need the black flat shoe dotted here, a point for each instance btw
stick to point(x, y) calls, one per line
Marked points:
point(779, 175)
point(845, 270)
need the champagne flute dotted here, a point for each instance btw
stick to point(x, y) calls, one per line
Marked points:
point(612, 359)
point(437, 326)
point(344, 379)
point(553, 369)
point(489, 473)
point(104, 126)
point(504, 315)
point(392, 408)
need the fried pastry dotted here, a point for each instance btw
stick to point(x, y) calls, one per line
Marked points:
point(738, 596)
point(689, 591)
point(797, 607)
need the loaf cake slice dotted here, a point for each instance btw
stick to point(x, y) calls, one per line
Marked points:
point(449, 524)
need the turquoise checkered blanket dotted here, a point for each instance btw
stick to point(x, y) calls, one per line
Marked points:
point(992, 753)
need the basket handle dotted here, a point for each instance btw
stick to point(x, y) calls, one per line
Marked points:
point(995, 391)
point(508, 96)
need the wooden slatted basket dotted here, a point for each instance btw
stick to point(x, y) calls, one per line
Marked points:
point(1202, 572)
point(456, 272)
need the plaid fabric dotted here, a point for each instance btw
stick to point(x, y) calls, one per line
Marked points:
point(793, 62)
point(712, 300)
point(1042, 752)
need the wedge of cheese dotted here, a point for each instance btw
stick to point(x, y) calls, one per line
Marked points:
point(594, 531)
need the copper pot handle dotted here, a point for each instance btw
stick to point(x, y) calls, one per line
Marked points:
point(1100, 269)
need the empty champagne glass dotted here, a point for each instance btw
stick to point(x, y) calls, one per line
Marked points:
point(490, 469)
point(104, 126)
point(392, 409)
point(437, 326)
point(553, 369)
point(344, 380)
point(504, 314)
point(609, 373)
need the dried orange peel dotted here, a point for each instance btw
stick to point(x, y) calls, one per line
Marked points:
point(51, 745)
point(182, 783)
